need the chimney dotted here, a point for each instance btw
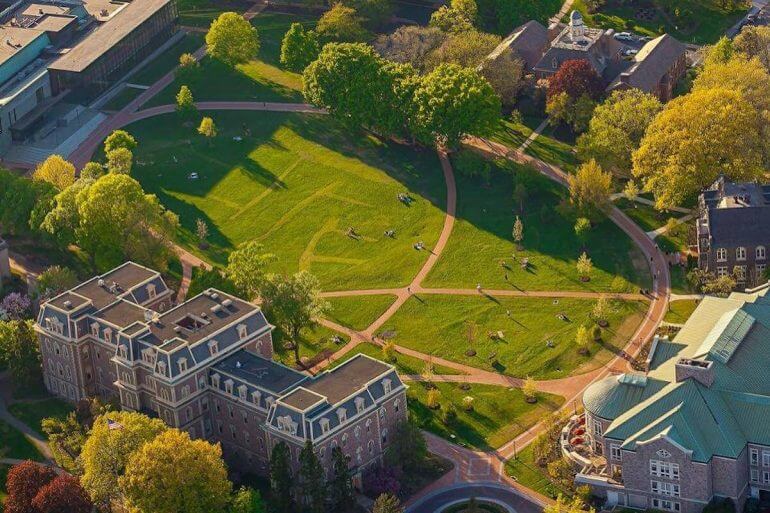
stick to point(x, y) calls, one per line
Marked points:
point(701, 371)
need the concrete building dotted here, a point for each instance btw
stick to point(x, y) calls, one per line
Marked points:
point(695, 427)
point(205, 366)
point(733, 231)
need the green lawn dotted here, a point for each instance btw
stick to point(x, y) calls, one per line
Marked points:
point(550, 146)
point(680, 311)
point(259, 80)
point(169, 59)
point(13, 444)
point(482, 239)
point(699, 21)
point(360, 311)
point(200, 13)
point(32, 413)
point(405, 365)
point(436, 324)
point(679, 283)
point(296, 184)
point(526, 472)
point(677, 239)
point(645, 216)
point(499, 414)
point(315, 345)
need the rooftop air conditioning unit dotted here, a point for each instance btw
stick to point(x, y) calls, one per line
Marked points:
point(177, 329)
point(216, 308)
point(100, 282)
point(214, 296)
point(227, 302)
point(68, 304)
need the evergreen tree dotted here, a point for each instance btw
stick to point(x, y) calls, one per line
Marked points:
point(311, 479)
point(281, 479)
point(341, 486)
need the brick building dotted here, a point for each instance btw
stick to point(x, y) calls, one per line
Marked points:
point(205, 366)
point(733, 230)
point(695, 427)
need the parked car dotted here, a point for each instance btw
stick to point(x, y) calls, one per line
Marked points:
point(624, 36)
point(628, 52)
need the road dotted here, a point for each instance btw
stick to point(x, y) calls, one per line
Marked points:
point(508, 497)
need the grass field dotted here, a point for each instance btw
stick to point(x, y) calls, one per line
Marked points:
point(645, 216)
point(680, 311)
point(166, 61)
point(499, 414)
point(405, 365)
point(314, 345)
point(700, 22)
point(296, 184)
point(549, 146)
point(527, 473)
point(123, 98)
point(436, 324)
point(360, 311)
point(32, 413)
point(14, 445)
point(482, 239)
point(259, 80)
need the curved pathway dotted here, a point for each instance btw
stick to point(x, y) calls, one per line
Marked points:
point(494, 492)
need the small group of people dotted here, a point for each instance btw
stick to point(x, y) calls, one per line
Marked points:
point(405, 198)
point(390, 233)
point(419, 245)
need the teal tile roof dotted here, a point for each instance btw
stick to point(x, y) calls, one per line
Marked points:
point(716, 420)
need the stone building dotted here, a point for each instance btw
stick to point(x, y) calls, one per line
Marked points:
point(205, 366)
point(695, 427)
point(733, 230)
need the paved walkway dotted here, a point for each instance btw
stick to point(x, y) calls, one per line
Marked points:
point(30, 434)
point(645, 201)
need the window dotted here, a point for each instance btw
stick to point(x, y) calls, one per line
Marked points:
point(215, 380)
point(162, 367)
point(357, 432)
point(615, 453)
point(245, 417)
point(255, 395)
point(95, 329)
point(740, 253)
point(766, 458)
point(754, 475)
point(397, 404)
point(761, 272)
point(342, 415)
point(721, 271)
point(243, 331)
point(247, 437)
point(324, 426)
point(383, 412)
point(213, 347)
point(765, 477)
point(359, 404)
point(555, 64)
point(370, 446)
point(344, 440)
point(754, 456)
point(740, 272)
point(385, 435)
point(368, 425)
point(108, 335)
point(182, 363)
point(664, 469)
point(229, 386)
point(232, 431)
point(147, 355)
point(721, 255)
point(185, 391)
point(668, 489)
point(230, 411)
point(387, 384)
point(666, 505)
point(123, 352)
point(597, 426)
point(760, 253)
point(151, 292)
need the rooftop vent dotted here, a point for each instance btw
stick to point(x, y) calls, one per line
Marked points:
point(204, 315)
point(177, 329)
point(68, 304)
point(238, 365)
point(227, 303)
point(216, 308)
point(214, 296)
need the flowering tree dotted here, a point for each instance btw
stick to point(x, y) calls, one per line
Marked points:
point(15, 306)
point(576, 78)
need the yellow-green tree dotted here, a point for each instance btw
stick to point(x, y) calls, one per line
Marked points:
point(694, 139)
point(120, 160)
point(562, 505)
point(341, 24)
point(56, 171)
point(119, 139)
point(207, 128)
point(584, 267)
point(529, 389)
point(582, 339)
point(173, 473)
point(232, 39)
point(590, 188)
point(754, 41)
point(115, 436)
point(184, 100)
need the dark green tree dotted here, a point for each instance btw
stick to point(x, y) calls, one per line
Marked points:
point(341, 484)
point(281, 479)
point(408, 448)
point(299, 47)
point(312, 480)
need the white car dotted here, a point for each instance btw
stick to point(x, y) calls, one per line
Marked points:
point(628, 52)
point(624, 36)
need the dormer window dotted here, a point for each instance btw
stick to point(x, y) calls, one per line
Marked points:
point(213, 347)
point(242, 392)
point(243, 331)
point(151, 292)
point(760, 253)
point(324, 426)
point(387, 385)
point(123, 352)
point(740, 253)
point(108, 335)
point(182, 363)
point(342, 415)
point(269, 402)
point(360, 404)
point(95, 329)
point(255, 396)
point(147, 355)
point(229, 386)
point(215, 380)
point(721, 255)
point(162, 367)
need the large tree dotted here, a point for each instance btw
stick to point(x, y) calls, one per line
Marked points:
point(505, 73)
point(575, 77)
point(19, 352)
point(232, 39)
point(294, 304)
point(374, 12)
point(349, 80)
point(590, 189)
point(694, 139)
point(459, 16)
point(114, 437)
point(173, 474)
point(468, 49)
point(56, 171)
point(246, 268)
point(281, 479)
point(63, 219)
point(408, 449)
point(342, 24)
point(117, 219)
point(23, 484)
point(55, 280)
point(119, 139)
point(616, 129)
point(23, 203)
point(754, 41)
point(312, 480)
point(120, 160)
point(409, 44)
point(341, 484)
point(63, 494)
point(299, 47)
point(453, 102)
point(387, 503)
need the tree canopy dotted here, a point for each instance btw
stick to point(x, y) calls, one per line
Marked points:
point(409, 44)
point(754, 42)
point(694, 139)
point(467, 49)
point(232, 39)
point(575, 77)
point(56, 171)
point(246, 267)
point(342, 24)
point(590, 189)
point(119, 139)
point(299, 47)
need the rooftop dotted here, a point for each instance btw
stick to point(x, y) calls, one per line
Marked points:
point(354, 374)
point(122, 313)
point(262, 373)
point(105, 289)
point(302, 399)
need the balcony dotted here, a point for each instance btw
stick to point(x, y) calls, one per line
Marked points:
point(577, 448)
